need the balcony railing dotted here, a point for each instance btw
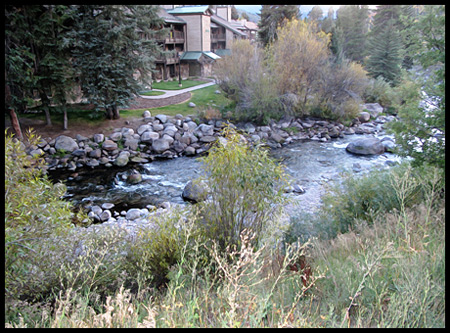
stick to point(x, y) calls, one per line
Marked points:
point(217, 37)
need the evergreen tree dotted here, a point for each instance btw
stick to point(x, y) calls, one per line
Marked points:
point(421, 133)
point(352, 24)
point(384, 49)
point(234, 13)
point(272, 17)
point(328, 22)
point(114, 50)
point(316, 14)
point(37, 61)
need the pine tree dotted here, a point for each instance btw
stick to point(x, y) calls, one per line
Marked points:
point(37, 61)
point(114, 50)
point(385, 58)
point(352, 22)
point(385, 43)
point(272, 17)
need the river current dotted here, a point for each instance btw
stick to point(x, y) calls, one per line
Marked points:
point(311, 164)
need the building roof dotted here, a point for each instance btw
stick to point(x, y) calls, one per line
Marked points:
point(244, 25)
point(190, 10)
point(225, 24)
point(168, 18)
point(195, 55)
point(222, 52)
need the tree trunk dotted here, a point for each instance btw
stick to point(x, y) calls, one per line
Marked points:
point(15, 124)
point(115, 110)
point(65, 120)
point(14, 120)
point(109, 112)
point(45, 103)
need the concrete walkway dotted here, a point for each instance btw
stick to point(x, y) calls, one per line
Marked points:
point(170, 93)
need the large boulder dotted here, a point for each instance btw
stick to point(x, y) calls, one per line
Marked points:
point(195, 191)
point(373, 108)
point(149, 136)
point(160, 145)
point(366, 146)
point(204, 130)
point(65, 143)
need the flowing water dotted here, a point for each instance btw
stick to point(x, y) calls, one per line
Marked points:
point(311, 164)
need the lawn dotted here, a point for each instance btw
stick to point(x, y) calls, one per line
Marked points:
point(202, 98)
point(152, 93)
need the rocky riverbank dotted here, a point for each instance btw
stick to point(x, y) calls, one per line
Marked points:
point(165, 137)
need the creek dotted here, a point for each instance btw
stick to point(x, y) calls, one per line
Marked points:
point(311, 164)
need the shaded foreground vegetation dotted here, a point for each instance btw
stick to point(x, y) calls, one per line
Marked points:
point(373, 256)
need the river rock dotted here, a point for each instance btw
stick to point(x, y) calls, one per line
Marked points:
point(146, 114)
point(96, 210)
point(162, 118)
point(208, 138)
point(374, 109)
point(79, 153)
point(37, 151)
point(133, 214)
point(131, 143)
point(110, 145)
point(92, 163)
point(143, 128)
point(365, 146)
point(276, 137)
point(204, 130)
point(149, 136)
point(160, 145)
point(192, 105)
point(116, 136)
point(105, 215)
point(134, 178)
point(97, 153)
point(158, 127)
point(107, 205)
point(388, 144)
point(99, 138)
point(66, 143)
point(189, 151)
point(364, 117)
point(122, 159)
point(195, 191)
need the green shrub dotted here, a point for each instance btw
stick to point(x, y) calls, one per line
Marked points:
point(380, 91)
point(363, 198)
point(33, 213)
point(157, 248)
point(246, 188)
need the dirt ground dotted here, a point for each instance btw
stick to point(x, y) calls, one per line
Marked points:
point(106, 127)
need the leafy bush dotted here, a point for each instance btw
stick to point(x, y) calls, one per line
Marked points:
point(242, 77)
point(33, 213)
point(293, 76)
point(380, 91)
point(157, 248)
point(246, 188)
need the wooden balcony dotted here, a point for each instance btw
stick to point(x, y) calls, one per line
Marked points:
point(168, 60)
point(174, 37)
point(218, 37)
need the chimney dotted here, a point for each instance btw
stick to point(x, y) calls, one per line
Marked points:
point(224, 12)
